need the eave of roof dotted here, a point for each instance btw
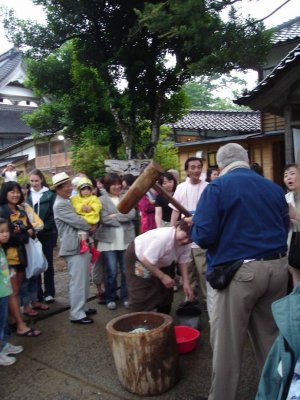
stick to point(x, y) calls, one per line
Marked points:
point(219, 120)
point(259, 98)
point(8, 63)
point(236, 138)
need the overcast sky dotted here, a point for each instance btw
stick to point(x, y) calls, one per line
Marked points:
point(257, 8)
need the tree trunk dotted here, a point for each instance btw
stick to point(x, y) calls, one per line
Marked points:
point(123, 127)
point(155, 125)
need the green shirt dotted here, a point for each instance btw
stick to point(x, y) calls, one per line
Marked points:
point(5, 285)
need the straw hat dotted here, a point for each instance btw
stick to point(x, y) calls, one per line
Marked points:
point(59, 179)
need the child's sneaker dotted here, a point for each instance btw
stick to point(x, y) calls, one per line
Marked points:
point(84, 247)
point(5, 360)
point(95, 254)
point(111, 305)
point(11, 349)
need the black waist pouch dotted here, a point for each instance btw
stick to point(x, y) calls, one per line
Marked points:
point(221, 275)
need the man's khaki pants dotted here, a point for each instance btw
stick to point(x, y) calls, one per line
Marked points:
point(197, 270)
point(244, 307)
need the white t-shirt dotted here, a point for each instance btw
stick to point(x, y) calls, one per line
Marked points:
point(160, 248)
point(10, 176)
point(188, 195)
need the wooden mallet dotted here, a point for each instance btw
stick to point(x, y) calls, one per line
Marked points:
point(146, 180)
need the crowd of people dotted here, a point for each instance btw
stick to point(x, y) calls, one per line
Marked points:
point(232, 251)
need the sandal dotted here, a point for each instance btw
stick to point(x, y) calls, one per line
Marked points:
point(30, 333)
point(42, 307)
point(31, 313)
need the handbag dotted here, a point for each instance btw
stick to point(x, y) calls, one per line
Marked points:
point(36, 261)
point(34, 218)
point(294, 250)
point(221, 275)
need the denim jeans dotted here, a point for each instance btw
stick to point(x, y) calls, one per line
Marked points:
point(3, 321)
point(48, 246)
point(29, 291)
point(111, 259)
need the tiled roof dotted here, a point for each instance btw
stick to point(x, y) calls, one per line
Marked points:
point(282, 68)
point(286, 32)
point(8, 62)
point(231, 121)
point(18, 144)
point(11, 121)
point(12, 160)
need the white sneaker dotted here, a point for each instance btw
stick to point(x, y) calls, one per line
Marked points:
point(5, 361)
point(11, 349)
point(126, 304)
point(111, 305)
point(49, 299)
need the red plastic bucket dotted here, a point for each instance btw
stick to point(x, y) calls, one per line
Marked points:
point(186, 338)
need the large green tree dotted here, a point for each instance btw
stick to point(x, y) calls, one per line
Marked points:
point(203, 93)
point(75, 99)
point(132, 40)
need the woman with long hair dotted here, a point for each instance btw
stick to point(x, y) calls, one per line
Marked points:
point(41, 199)
point(21, 230)
point(29, 287)
point(163, 211)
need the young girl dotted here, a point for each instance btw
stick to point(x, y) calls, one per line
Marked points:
point(5, 291)
point(88, 206)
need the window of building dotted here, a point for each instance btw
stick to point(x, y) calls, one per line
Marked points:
point(42, 149)
point(211, 158)
point(58, 147)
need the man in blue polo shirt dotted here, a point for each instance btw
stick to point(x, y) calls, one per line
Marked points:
point(242, 216)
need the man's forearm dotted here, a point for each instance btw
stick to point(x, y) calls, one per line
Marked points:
point(174, 217)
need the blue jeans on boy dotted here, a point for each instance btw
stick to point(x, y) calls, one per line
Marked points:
point(111, 259)
point(29, 291)
point(3, 321)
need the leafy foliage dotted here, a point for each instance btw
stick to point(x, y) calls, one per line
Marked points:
point(166, 155)
point(131, 40)
point(201, 93)
point(89, 158)
point(75, 99)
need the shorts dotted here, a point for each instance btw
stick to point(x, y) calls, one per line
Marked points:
point(17, 268)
